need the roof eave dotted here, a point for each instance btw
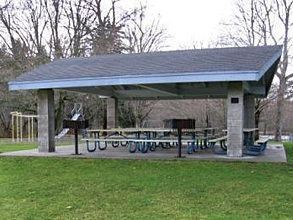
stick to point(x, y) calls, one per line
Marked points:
point(275, 58)
point(136, 79)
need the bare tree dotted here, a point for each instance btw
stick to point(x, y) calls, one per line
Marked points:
point(106, 36)
point(54, 9)
point(263, 22)
point(38, 31)
point(284, 11)
point(31, 27)
point(250, 24)
point(142, 36)
point(79, 25)
point(11, 36)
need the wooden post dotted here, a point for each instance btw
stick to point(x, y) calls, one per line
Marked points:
point(32, 127)
point(12, 127)
point(20, 125)
point(28, 130)
point(17, 128)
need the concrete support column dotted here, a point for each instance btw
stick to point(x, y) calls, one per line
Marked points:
point(249, 107)
point(46, 120)
point(235, 115)
point(112, 113)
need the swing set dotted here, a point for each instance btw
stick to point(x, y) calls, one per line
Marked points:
point(17, 122)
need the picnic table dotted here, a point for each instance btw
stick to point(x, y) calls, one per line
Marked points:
point(249, 136)
point(153, 137)
point(124, 132)
point(253, 148)
point(124, 136)
point(207, 133)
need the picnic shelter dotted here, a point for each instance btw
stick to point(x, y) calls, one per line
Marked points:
point(237, 74)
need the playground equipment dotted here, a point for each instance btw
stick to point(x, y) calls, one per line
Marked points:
point(17, 123)
point(74, 115)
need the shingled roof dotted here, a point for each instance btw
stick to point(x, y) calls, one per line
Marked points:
point(204, 65)
point(237, 59)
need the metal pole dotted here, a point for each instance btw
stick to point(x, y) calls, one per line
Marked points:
point(76, 141)
point(205, 138)
point(179, 153)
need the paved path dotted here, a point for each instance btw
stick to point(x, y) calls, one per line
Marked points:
point(273, 153)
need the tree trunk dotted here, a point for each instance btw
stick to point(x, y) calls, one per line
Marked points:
point(207, 122)
point(59, 113)
point(257, 117)
point(280, 110)
point(137, 123)
point(5, 122)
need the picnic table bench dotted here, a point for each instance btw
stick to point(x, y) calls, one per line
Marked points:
point(223, 146)
point(256, 149)
point(145, 143)
point(251, 150)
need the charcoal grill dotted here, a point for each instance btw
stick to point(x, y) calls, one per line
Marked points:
point(76, 125)
point(179, 124)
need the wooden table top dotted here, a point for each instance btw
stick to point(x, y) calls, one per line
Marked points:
point(147, 130)
point(131, 130)
point(245, 130)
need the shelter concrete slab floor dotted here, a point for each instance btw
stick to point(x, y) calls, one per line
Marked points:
point(273, 153)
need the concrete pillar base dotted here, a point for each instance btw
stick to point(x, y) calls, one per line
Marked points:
point(46, 121)
point(234, 153)
point(235, 119)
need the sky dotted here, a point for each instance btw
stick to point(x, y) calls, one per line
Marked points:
point(189, 21)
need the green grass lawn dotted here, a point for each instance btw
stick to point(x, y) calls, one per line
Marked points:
point(8, 147)
point(289, 151)
point(60, 188)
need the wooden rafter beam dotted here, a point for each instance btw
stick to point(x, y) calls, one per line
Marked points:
point(157, 89)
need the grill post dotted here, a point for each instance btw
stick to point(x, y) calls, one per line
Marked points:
point(179, 149)
point(76, 141)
